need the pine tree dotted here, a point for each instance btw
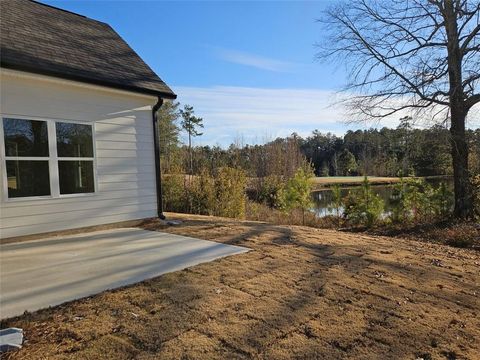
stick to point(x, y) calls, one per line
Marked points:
point(190, 123)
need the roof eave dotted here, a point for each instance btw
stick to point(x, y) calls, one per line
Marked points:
point(163, 94)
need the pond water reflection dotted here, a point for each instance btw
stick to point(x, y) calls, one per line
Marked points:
point(323, 199)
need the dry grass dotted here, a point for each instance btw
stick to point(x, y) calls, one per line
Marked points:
point(345, 180)
point(463, 234)
point(301, 293)
point(320, 183)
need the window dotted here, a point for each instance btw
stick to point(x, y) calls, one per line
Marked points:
point(46, 158)
point(27, 178)
point(76, 176)
point(75, 158)
point(26, 157)
point(74, 140)
point(25, 138)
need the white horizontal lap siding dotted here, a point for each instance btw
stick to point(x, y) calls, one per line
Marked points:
point(125, 166)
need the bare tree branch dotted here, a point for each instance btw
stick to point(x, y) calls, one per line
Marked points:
point(417, 55)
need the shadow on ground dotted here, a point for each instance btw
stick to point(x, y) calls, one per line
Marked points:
point(301, 293)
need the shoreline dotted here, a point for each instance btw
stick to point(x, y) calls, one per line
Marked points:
point(326, 183)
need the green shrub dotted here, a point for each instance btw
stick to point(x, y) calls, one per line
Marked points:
point(222, 195)
point(442, 201)
point(271, 189)
point(202, 194)
point(173, 190)
point(230, 196)
point(297, 194)
point(399, 212)
point(337, 202)
point(363, 206)
point(418, 199)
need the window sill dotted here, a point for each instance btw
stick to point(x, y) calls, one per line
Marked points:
point(53, 198)
point(76, 195)
point(28, 198)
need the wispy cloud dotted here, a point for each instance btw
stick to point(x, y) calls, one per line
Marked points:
point(254, 60)
point(259, 114)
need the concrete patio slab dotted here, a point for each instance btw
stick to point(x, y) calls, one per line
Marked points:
point(41, 273)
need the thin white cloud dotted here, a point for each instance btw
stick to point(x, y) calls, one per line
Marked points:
point(256, 61)
point(257, 114)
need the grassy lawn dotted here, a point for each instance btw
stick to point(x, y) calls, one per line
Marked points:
point(301, 293)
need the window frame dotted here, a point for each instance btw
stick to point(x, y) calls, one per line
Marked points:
point(52, 159)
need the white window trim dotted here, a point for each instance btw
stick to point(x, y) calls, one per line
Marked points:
point(52, 159)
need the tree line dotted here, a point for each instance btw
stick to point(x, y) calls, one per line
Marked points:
point(273, 181)
point(402, 151)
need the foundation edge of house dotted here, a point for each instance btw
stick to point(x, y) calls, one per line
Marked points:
point(80, 230)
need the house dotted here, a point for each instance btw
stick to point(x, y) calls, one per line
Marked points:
point(78, 128)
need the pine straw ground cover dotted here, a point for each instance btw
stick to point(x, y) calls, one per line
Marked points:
point(302, 293)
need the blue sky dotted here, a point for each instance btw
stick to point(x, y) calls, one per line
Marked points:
point(248, 68)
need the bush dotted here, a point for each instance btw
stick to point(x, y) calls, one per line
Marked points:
point(363, 206)
point(399, 211)
point(230, 196)
point(222, 195)
point(442, 201)
point(416, 200)
point(271, 191)
point(298, 191)
point(337, 202)
point(202, 194)
point(173, 189)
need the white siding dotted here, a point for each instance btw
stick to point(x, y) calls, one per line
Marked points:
point(124, 154)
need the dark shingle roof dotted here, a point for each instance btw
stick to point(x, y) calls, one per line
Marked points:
point(42, 39)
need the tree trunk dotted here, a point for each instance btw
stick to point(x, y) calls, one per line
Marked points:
point(190, 177)
point(463, 192)
point(462, 188)
point(190, 153)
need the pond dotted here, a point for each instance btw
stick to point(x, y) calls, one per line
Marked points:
point(323, 199)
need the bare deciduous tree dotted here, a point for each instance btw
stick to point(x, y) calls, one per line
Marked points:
point(422, 55)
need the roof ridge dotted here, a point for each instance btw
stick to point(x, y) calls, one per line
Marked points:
point(67, 11)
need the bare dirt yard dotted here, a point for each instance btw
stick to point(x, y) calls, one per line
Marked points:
point(301, 293)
